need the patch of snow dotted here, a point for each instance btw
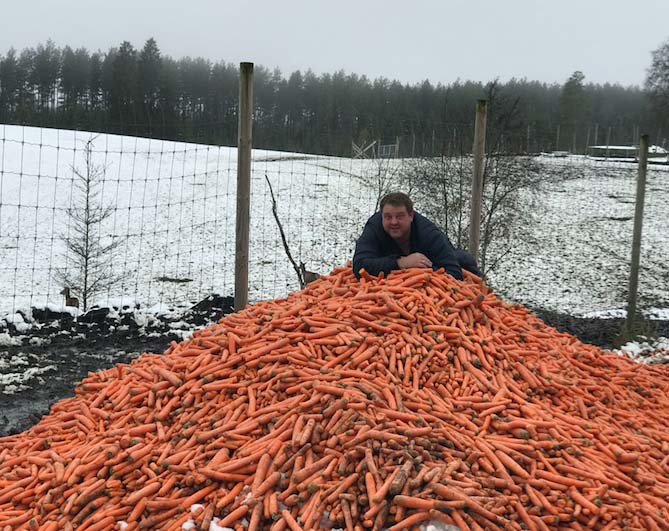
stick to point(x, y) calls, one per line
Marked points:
point(661, 314)
point(615, 313)
point(141, 319)
point(182, 334)
point(649, 351)
point(12, 389)
point(18, 378)
point(215, 527)
point(19, 322)
point(19, 359)
point(57, 308)
point(658, 314)
point(122, 304)
point(8, 341)
point(161, 309)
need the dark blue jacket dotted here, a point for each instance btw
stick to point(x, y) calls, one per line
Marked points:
point(377, 252)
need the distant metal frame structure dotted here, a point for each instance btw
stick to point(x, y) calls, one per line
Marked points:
point(359, 152)
point(389, 151)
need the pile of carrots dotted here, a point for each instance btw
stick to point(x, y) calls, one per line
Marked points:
point(366, 404)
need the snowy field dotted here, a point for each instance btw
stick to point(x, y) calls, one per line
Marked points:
point(174, 216)
point(574, 255)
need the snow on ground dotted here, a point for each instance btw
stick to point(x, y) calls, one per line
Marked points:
point(175, 218)
point(174, 215)
point(647, 350)
point(574, 255)
point(19, 369)
point(7, 341)
point(659, 314)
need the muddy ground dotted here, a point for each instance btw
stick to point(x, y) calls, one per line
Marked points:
point(53, 356)
point(67, 355)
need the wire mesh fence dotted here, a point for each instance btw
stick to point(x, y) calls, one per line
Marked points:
point(573, 253)
point(170, 223)
point(172, 216)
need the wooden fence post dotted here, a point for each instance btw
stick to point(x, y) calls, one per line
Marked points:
point(244, 144)
point(636, 237)
point(477, 178)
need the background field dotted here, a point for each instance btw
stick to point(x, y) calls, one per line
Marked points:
point(174, 216)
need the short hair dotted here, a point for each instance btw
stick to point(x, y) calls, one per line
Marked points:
point(397, 199)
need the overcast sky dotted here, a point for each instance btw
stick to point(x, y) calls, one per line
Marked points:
point(608, 40)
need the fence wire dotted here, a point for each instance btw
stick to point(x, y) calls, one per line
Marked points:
point(172, 221)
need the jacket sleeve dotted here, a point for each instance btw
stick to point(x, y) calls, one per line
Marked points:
point(442, 252)
point(368, 254)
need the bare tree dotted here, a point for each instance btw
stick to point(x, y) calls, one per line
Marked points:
point(441, 187)
point(383, 176)
point(303, 276)
point(443, 184)
point(88, 249)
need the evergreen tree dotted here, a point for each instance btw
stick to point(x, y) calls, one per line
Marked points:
point(149, 82)
point(89, 247)
point(44, 75)
point(74, 84)
point(168, 93)
point(95, 82)
point(130, 92)
point(9, 85)
point(25, 99)
point(106, 83)
point(574, 110)
point(222, 102)
point(124, 88)
point(194, 75)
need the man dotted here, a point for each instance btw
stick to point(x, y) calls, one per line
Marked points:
point(397, 237)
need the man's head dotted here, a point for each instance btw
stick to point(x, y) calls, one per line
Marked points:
point(397, 215)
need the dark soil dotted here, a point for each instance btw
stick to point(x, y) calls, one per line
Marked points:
point(605, 333)
point(79, 348)
point(92, 343)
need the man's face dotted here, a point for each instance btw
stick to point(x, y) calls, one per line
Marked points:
point(397, 221)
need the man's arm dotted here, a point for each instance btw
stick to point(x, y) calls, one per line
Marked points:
point(440, 250)
point(368, 254)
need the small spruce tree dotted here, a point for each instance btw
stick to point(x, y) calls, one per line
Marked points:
point(89, 271)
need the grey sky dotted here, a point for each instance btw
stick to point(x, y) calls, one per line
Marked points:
point(608, 40)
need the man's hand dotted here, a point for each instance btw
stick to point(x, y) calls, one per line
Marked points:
point(414, 260)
